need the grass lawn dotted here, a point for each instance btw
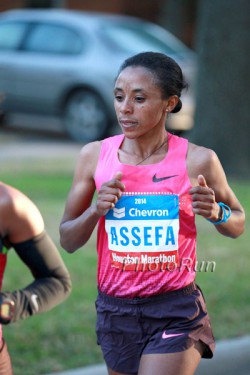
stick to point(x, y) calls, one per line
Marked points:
point(64, 338)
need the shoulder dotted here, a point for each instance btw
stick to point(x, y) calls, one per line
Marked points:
point(8, 196)
point(18, 214)
point(90, 153)
point(13, 200)
point(91, 150)
point(20, 218)
point(88, 158)
point(204, 154)
point(201, 160)
point(95, 147)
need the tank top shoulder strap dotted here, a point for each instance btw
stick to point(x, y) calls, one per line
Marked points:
point(177, 153)
point(178, 146)
point(112, 142)
point(107, 157)
point(110, 146)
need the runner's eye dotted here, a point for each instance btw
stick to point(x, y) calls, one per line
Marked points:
point(118, 97)
point(140, 99)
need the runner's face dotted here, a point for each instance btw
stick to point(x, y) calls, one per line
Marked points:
point(138, 102)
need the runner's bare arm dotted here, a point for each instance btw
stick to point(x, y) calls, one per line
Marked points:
point(81, 211)
point(20, 218)
point(80, 217)
point(210, 187)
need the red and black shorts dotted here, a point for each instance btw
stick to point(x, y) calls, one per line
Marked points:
point(167, 323)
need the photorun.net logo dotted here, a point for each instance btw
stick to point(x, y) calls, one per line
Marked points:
point(184, 264)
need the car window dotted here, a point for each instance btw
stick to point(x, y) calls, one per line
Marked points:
point(53, 39)
point(134, 38)
point(11, 34)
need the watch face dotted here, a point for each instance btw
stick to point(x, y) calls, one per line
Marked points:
point(5, 311)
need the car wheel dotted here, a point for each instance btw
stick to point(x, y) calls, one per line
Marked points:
point(85, 116)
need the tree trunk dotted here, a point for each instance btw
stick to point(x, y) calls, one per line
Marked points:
point(179, 17)
point(222, 120)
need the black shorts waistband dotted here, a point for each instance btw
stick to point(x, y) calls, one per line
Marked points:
point(188, 289)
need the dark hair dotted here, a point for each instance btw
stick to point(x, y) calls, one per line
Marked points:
point(168, 74)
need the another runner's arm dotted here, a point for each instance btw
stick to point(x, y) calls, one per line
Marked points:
point(206, 172)
point(52, 283)
point(81, 213)
point(22, 227)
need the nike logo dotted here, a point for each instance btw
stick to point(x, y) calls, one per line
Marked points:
point(167, 336)
point(33, 299)
point(159, 179)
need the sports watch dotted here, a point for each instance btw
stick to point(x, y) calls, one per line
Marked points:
point(7, 307)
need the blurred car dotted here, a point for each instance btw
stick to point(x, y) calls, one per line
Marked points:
point(64, 63)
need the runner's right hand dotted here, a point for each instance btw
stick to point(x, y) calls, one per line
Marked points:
point(109, 194)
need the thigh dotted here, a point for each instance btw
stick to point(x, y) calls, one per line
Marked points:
point(5, 363)
point(120, 336)
point(181, 363)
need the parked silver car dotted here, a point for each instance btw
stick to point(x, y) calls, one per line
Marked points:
point(63, 63)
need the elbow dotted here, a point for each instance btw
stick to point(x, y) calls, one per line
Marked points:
point(241, 226)
point(238, 226)
point(71, 240)
point(64, 283)
point(67, 246)
point(66, 241)
point(235, 233)
point(238, 233)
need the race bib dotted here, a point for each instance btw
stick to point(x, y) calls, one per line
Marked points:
point(143, 232)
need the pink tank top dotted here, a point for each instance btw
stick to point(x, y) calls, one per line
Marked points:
point(147, 244)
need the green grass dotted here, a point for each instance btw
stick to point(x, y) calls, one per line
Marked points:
point(64, 337)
